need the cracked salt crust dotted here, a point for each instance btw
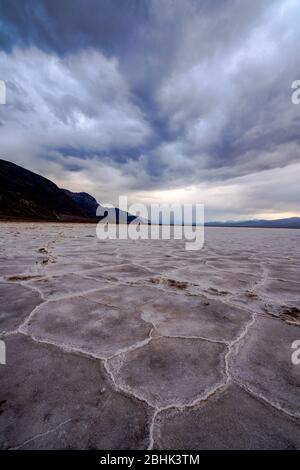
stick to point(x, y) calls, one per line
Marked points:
point(216, 330)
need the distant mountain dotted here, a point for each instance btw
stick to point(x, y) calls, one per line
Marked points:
point(28, 196)
point(292, 222)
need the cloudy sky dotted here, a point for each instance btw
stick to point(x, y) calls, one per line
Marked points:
point(160, 100)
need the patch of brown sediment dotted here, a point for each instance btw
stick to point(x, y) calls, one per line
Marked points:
point(43, 250)
point(251, 294)
point(289, 314)
point(48, 260)
point(169, 282)
point(20, 277)
point(64, 285)
point(214, 291)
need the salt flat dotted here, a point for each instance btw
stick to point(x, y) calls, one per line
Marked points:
point(122, 344)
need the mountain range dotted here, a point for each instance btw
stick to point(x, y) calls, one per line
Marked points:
point(25, 195)
point(291, 222)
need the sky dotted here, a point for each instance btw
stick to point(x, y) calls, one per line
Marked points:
point(165, 101)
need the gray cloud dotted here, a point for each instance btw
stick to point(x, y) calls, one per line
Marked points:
point(157, 95)
point(80, 101)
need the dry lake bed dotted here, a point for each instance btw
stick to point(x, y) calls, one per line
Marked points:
point(125, 344)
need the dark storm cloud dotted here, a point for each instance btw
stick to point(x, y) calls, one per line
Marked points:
point(166, 93)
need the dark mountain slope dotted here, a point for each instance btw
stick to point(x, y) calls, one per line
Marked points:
point(87, 202)
point(26, 195)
